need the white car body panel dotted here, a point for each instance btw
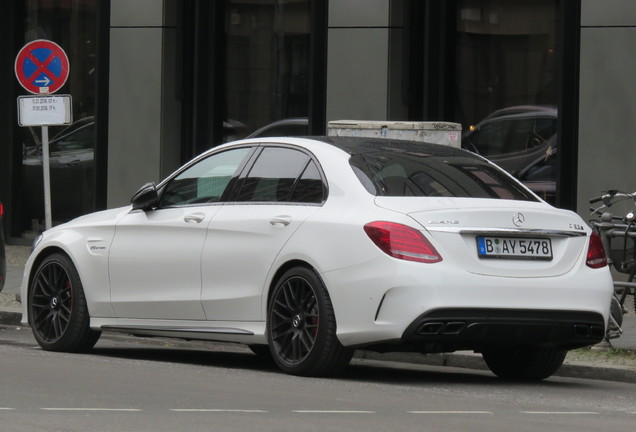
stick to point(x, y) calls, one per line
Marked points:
point(155, 263)
point(87, 241)
point(454, 226)
point(233, 286)
point(392, 300)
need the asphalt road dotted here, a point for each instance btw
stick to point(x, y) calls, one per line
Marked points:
point(132, 384)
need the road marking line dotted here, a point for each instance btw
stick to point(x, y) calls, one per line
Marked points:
point(93, 409)
point(561, 412)
point(7, 409)
point(331, 412)
point(450, 412)
point(217, 410)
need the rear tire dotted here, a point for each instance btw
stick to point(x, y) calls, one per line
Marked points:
point(301, 326)
point(58, 314)
point(524, 363)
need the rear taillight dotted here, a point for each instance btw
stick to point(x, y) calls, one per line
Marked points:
point(402, 242)
point(1, 210)
point(596, 257)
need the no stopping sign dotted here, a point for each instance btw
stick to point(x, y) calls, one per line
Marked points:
point(42, 67)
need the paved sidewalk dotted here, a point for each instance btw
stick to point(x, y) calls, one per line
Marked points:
point(9, 297)
point(593, 365)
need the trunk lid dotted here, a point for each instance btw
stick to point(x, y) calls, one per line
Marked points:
point(516, 236)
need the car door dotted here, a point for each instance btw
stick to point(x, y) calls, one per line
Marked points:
point(282, 189)
point(155, 258)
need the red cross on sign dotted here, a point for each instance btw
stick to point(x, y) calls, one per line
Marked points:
point(42, 67)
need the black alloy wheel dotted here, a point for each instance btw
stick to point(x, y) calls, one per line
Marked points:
point(58, 313)
point(302, 326)
point(294, 320)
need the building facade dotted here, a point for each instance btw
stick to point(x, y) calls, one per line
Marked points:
point(542, 86)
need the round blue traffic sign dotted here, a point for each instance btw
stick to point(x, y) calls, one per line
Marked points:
point(42, 67)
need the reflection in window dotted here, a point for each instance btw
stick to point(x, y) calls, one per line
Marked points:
point(512, 134)
point(73, 26)
point(309, 188)
point(267, 63)
point(505, 55)
point(273, 175)
point(448, 175)
point(506, 79)
point(205, 181)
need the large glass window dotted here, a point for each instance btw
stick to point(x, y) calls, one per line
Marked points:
point(73, 26)
point(505, 85)
point(267, 64)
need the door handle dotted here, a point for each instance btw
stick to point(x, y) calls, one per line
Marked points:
point(194, 218)
point(280, 220)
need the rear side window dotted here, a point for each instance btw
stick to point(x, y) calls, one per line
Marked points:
point(452, 174)
point(309, 188)
point(282, 175)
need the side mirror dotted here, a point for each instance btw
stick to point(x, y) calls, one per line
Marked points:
point(145, 198)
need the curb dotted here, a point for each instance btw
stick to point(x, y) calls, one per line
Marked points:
point(10, 317)
point(470, 360)
point(462, 359)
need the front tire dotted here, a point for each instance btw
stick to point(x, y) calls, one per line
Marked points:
point(301, 326)
point(58, 314)
point(524, 363)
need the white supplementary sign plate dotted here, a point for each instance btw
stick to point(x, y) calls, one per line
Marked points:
point(514, 247)
point(44, 110)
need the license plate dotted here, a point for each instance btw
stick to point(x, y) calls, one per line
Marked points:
point(514, 247)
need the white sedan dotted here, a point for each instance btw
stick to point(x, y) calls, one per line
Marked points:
point(307, 249)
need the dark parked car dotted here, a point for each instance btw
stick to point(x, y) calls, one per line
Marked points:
point(540, 176)
point(514, 137)
point(294, 126)
point(520, 139)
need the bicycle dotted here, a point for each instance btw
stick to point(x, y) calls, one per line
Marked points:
point(618, 235)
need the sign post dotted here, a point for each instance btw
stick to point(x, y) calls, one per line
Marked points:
point(42, 68)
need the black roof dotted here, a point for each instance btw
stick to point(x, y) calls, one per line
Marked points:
point(359, 145)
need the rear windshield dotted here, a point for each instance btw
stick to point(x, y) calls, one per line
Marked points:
point(453, 174)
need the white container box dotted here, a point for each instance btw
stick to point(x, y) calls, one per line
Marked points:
point(446, 133)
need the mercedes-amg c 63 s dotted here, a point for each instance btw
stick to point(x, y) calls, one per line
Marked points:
point(306, 249)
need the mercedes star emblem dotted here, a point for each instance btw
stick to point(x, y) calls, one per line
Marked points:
point(518, 219)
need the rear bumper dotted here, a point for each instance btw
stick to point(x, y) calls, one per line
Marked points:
point(403, 303)
point(445, 330)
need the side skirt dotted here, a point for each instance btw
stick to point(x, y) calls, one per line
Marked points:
point(240, 332)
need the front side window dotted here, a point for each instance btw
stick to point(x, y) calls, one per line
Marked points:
point(205, 181)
